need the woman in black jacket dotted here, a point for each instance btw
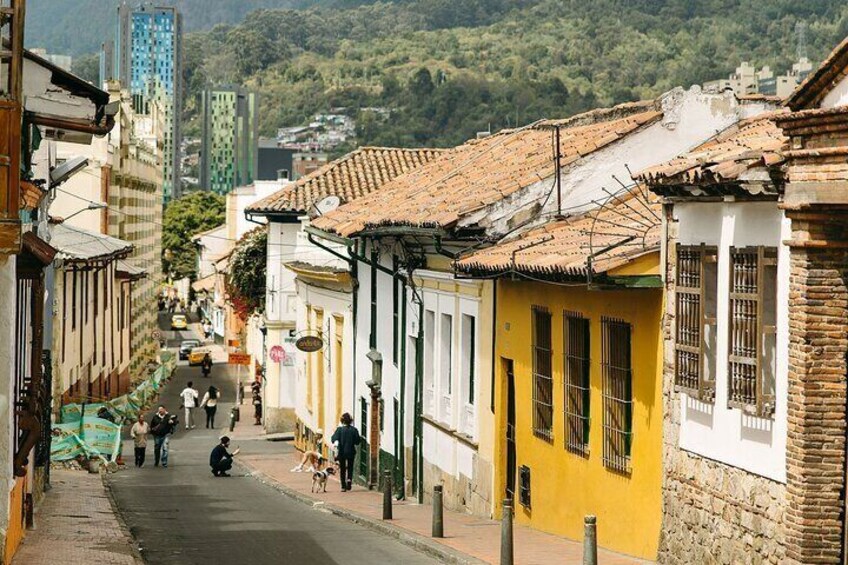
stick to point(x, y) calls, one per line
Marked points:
point(346, 438)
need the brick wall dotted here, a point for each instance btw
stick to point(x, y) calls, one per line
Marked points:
point(712, 512)
point(817, 388)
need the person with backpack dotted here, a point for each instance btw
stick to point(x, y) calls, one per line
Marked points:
point(346, 438)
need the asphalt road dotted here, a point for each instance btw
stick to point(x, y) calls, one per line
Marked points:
point(184, 515)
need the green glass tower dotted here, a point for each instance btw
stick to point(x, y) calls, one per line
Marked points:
point(229, 149)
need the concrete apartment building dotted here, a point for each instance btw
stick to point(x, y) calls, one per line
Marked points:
point(229, 154)
point(135, 216)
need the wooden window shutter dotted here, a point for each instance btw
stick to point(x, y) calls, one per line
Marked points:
point(753, 326)
point(695, 321)
point(11, 62)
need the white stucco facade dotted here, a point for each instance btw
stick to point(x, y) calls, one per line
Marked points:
point(280, 316)
point(716, 431)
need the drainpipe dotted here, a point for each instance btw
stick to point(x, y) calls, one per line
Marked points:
point(402, 414)
point(375, 384)
point(333, 252)
point(494, 336)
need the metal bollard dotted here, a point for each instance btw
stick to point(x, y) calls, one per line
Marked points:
point(438, 518)
point(590, 540)
point(233, 418)
point(506, 533)
point(387, 495)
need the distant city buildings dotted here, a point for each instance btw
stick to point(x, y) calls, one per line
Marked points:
point(145, 56)
point(230, 138)
point(747, 80)
point(324, 132)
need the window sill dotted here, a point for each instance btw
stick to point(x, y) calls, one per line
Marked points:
point(467, 440)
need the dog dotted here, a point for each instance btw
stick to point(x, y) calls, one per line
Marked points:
point(319, 479)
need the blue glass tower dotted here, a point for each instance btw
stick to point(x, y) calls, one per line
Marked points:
point(148, 44)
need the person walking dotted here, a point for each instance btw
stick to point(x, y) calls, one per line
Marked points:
point(206, 365)
point(256, 388)
point(210, 405)
point(189, 396)
point(161, 426)
point(138, 433)
point(346, 438)
point(220, 459)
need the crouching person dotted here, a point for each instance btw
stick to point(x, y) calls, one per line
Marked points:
point(221, 460)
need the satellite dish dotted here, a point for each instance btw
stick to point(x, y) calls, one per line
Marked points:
point(326, 205)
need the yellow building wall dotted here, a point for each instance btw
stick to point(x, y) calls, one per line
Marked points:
point(565, 486)
point(17, 527)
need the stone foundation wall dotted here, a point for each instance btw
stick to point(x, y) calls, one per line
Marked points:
point(462, 494)
point(713, 513)
point(278, 420)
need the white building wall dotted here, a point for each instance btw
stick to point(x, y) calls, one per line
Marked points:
point(390, 388)
point(334, 305)
point(7, 364)
point(838, 96)
point(448, 413)
point(714, 430)
point(280, 314)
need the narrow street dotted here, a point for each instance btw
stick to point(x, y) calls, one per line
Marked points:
point(184, 515)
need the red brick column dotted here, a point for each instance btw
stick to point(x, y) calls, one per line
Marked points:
point(818, 343)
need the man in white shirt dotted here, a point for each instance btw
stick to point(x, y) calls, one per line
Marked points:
point(189, 396)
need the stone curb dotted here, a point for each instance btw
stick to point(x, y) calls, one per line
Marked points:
point(416, 541)
point(131, 541)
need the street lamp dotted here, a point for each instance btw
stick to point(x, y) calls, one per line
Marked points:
point(91, 206)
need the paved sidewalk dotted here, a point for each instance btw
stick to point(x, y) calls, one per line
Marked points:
point(75, 523)
point(468, 539)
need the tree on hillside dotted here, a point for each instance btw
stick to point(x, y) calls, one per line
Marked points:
point(183, 219)
point(87, 68)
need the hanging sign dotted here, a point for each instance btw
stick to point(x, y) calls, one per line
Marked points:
point(277, 354)
point(309, 343)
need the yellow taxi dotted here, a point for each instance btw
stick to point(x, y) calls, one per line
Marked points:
point(178, 322)
point(197, 354)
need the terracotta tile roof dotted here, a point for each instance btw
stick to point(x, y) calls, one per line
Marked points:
point(353, 176)
point(750, 144)
point(484, 171)
point(559, 250)
point(819, 82)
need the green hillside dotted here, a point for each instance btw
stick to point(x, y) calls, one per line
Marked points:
point(78, 27)
point(450, 68)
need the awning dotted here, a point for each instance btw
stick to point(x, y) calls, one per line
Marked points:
point(126, 271)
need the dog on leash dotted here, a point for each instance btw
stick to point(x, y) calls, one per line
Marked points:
point(319, 479)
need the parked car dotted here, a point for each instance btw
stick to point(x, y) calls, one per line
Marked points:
point(178, 322)
point(197, 354)
point(186, 346)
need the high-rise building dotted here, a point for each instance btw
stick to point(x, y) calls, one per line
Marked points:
point(147, 60)
point(230, 143)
